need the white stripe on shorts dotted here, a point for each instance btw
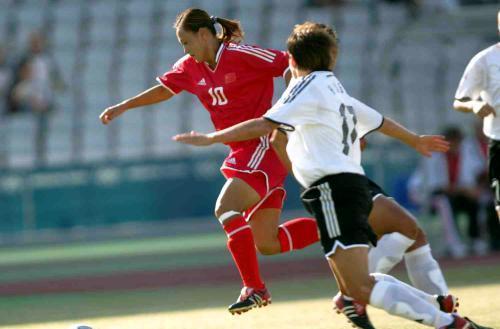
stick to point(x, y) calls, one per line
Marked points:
point(328, 207)
point(259, 153)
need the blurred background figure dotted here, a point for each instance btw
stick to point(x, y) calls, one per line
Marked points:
point(479, 92)
point(35, 80)
point(5, 78)
point(453, 184)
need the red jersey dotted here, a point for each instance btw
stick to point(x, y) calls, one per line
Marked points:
point(239, 88)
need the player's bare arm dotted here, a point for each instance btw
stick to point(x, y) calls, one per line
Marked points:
point(153, 95)
point(278, 142)
point(481, 108)
point(424, 144)
point(243, 131)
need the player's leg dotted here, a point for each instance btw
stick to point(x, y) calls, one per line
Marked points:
point(424, 271)
point(345, 234)
point(235, 197)
point(397, 231)
point(265, 223)
point(494, 172)
point(390, 295)
point(271, 237)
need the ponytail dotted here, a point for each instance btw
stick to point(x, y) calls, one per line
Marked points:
point(231, 30)
point(193, 19)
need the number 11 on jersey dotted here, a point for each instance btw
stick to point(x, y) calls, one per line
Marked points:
point(218, 97)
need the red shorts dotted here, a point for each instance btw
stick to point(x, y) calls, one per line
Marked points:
point(259, 166)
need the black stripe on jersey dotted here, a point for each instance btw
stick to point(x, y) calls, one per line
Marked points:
point(294, 89)
point(298, 88)
point(283, 126)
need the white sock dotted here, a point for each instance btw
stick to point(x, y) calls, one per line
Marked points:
point(399, 301)
point(421, 294)
point(388, 253)
point(424, 272)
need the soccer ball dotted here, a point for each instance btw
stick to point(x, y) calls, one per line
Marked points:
point(80, 326)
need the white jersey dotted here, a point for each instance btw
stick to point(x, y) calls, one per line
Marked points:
point(324, 125)
point(482, 79)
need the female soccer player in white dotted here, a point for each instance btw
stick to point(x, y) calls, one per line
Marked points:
point(479, 92)
point(322, 122)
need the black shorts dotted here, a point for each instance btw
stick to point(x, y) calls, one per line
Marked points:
point(494, 167)
point(341, 204)
point(376, 190)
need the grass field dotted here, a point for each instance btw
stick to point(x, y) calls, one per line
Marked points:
point(297, 304)
point(300, 300)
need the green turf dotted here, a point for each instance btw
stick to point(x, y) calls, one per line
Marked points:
point(153, 262)
point(113, 309)
point(93, 250)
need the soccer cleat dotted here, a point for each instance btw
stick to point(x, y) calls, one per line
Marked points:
point(250, 298)
point(354, 311)
point(448, 303)
point(463, 323)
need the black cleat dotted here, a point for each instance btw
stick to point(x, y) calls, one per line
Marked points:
point(250, 298)
point(463, 323)
point(448, 303)
point(354, 311)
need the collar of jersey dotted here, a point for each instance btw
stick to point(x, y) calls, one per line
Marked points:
point(217, 57)
point(313, 72)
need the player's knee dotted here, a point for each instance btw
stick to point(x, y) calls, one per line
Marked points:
point(361, 292)
point(221, 209)
point(267, 249)
point(409, 229)
point(421, 238)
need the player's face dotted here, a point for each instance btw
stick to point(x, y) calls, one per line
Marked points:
point(192, 44)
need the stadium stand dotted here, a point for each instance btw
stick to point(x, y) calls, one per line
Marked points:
point(108, 49)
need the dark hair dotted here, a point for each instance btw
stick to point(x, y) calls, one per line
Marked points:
point(193, 19)
point(313, 46)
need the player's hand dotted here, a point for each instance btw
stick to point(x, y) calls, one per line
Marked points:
point(483, 109)
point(112, 112)
point(194, 138)
point(427, 144)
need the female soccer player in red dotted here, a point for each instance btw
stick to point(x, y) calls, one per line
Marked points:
point(234, 82)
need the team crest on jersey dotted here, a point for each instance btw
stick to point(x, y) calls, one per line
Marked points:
point(230, 77)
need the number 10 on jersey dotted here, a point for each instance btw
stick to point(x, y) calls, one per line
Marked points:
point(218, 97)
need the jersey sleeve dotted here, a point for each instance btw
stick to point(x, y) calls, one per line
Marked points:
point(368, 118)
point(473, 80)
point(292, 109)
point(178, 78)
point(268, 61)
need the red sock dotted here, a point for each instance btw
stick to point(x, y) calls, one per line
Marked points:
point(242, 247)
point(297, 234)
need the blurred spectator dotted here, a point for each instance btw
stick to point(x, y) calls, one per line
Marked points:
point(452, 184)
point(35, 79)
point(5, 79)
